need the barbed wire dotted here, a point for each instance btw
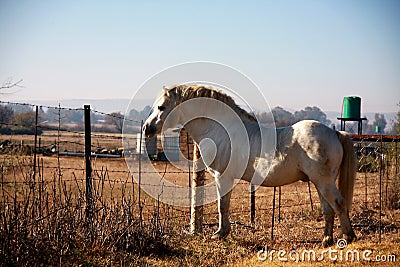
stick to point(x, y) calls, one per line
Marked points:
point(40, 106)
point(116, 116)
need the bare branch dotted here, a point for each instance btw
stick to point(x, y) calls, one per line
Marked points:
point(8, 84)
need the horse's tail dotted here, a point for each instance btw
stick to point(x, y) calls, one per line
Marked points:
point(347, 168)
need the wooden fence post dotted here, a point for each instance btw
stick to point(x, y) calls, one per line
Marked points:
point(197, 187)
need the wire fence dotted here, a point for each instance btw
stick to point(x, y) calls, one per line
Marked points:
point(50, 171)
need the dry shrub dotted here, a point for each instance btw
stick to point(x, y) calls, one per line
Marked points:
point(43, 223)
point(394, 193)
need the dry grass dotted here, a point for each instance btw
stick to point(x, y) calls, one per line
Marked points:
point(44, 221)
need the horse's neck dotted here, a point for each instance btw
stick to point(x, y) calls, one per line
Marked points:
point(200, 128)
point(196, 121)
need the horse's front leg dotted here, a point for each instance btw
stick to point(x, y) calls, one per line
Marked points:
point(224, 191)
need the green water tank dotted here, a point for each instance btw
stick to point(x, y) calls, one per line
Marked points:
point(351, 107)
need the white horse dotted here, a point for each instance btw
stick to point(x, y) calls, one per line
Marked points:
point(307, 150)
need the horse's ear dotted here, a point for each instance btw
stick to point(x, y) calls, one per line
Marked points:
point(165, 90)
point(168, 89)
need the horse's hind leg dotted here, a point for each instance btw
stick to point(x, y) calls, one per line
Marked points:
point(332, 195)
point(329, 216)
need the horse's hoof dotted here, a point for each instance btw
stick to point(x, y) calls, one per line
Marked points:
point(219, 235)
point(350, 237)
point(216, 237)
point(327, 241)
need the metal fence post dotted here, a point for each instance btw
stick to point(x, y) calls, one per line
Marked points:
point(366, 188)
point(252, 204)
point(309, 192)
point(396, 160)
point(279, 203)
point(273, 215)
point(380, 187)
point(35, 145)
point(140, 171)
point(88, 165)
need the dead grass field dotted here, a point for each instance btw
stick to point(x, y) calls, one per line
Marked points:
point(298, 225)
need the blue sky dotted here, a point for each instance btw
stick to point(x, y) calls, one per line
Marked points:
point(300, 53)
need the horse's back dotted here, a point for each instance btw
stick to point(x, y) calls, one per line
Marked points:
point(320, 148)
point(305, 150)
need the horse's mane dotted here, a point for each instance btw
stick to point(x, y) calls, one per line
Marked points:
point(186, 92)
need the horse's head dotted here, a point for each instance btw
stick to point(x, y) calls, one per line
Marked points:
point(160, 111)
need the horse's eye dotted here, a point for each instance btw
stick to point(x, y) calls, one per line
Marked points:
point(161, 108)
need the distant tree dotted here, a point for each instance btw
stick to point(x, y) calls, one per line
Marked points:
point(264, 117)
point(21, 108)
point(379, 120)
point(116, 119)
point(26, 119)
point(312, 113)
point(72, 116)
point(144, 114)
point(396, 123)
point(133, 114)
point(282, 117)
point(6, 113)
point(394, 130)
point(50, 115)
point(139, 115)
